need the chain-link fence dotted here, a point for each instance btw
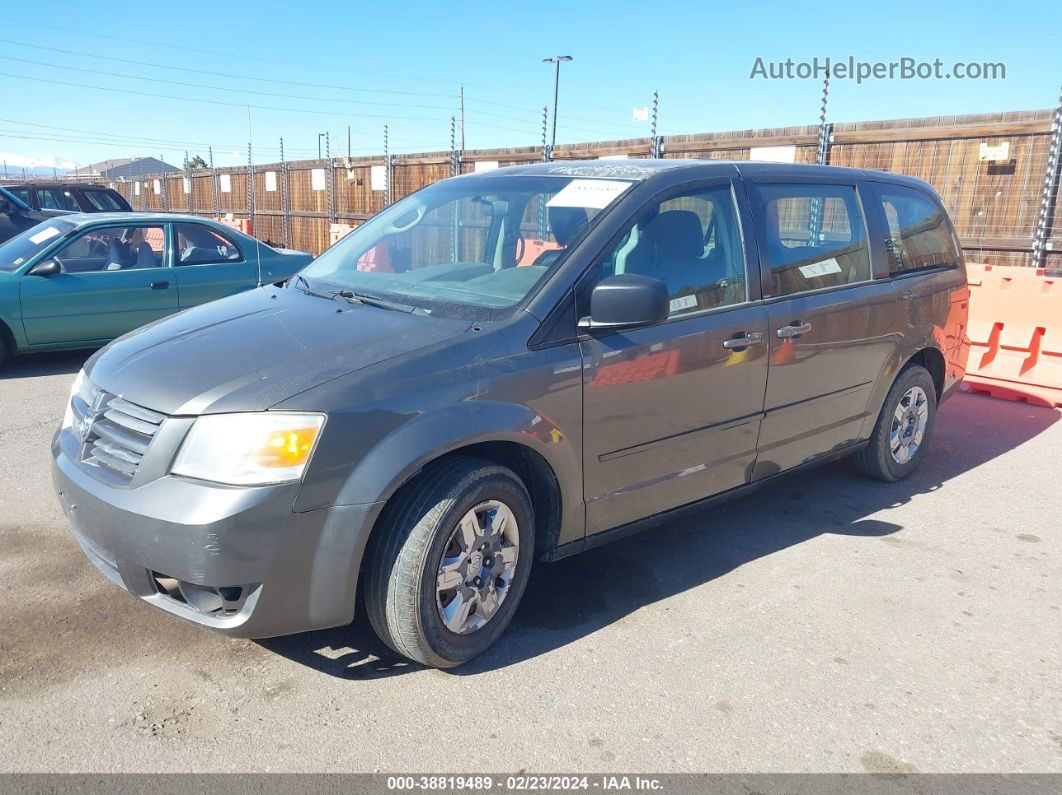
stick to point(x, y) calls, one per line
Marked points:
point(989, 170)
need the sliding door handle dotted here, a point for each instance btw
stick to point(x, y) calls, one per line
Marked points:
point(794, 329)
point(751, 338)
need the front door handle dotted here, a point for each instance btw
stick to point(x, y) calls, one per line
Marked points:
point(159, 285)
point(750, 338)
point(794, 329)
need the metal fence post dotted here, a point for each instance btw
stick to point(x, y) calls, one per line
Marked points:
point(825, 130)
point(330, 184)
point(387, 170)
point(1049, 196)
point(285, 217)
point(191, 184)
point(656, 145)
point(164, 183)
point(250, 187)
point(547, 150)
point(455, 157)
point(214, 175)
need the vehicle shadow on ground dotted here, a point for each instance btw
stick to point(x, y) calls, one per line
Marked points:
point(577, 596)
point(34, 365)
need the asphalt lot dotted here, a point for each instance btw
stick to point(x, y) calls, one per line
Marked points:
point(831, 624)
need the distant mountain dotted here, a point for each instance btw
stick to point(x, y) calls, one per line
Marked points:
point(14, 172)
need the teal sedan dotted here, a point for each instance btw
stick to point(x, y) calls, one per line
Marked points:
point(79, 281)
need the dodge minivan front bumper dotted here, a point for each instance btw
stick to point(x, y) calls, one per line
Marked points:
point(237, 560)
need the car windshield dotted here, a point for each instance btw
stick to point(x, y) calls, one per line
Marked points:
point(473, 242)
point(20, 249)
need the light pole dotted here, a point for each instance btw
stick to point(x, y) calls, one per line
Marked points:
point(556, 60)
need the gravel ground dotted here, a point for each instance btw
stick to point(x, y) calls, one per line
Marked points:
point(829, 624)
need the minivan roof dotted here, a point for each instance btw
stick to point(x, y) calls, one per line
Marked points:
point(646, 169)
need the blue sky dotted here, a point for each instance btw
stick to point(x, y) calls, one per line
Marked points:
point(319, 66)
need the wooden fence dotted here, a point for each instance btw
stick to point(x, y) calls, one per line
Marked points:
point(989, 170)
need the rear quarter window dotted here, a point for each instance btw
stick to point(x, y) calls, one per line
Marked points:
point(919, 233)
point(104, 200)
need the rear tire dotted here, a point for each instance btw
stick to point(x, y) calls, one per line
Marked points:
point(450, 561)
point(903, 429)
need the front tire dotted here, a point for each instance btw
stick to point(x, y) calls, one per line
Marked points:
point(902, 432)
point(450, 562)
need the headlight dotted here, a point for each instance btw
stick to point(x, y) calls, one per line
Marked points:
point(249, 449)
point(68, 415)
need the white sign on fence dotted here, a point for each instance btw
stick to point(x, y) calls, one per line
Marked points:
point(271, 181)
point(997, 151)
point(187, 185)
point(378, 177)
point(225, 180)
point(136, 188)
point(774, 154)
point(317, 179)
point(156, 186)
point(485, 165)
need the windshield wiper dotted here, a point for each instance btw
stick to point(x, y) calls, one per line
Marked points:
point(372, 300)
point(306, 287)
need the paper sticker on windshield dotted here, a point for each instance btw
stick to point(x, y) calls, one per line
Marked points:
point(595, 194)
point(44, 234)
point(824, 268)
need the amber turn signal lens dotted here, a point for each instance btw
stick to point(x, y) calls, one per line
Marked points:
point(287, 448)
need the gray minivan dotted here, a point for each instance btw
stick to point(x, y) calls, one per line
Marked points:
point(505, 367)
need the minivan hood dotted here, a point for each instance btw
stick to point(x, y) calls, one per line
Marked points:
point(253, 350)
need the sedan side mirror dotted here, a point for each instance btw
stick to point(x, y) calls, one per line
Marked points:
point(627, 300)
point(48, 267)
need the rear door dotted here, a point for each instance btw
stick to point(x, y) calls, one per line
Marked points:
point(832, 327)
point(209, 264)
point(114, 279)
point(672, 411)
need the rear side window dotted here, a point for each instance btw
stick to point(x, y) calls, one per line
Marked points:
point(813, 236)
point(919, 233)
point(57, 199)
point(201, 245)
point(104, 201)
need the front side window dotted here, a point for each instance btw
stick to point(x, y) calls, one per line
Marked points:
point(114, 248)
point(57, 199)
point(21, 193)
point(472, 242)
point(919, 233)
point(813, 236)
point(200, 245)
point(692, 243)
point(103, 200)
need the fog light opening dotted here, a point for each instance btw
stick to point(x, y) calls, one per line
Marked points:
point(221, 601)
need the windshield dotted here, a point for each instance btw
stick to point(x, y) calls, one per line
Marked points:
point(20, 249)
point(477, 241)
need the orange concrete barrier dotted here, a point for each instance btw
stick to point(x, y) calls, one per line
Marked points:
point(242, 224)
point(1015, 332)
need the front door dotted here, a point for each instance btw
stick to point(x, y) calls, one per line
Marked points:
point(672, 411)
point(113, 280)
point(832, 327)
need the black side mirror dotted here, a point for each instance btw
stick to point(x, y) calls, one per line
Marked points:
point(48, 267)
point(627, 300)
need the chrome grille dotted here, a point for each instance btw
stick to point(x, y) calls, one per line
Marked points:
point(114, 433)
